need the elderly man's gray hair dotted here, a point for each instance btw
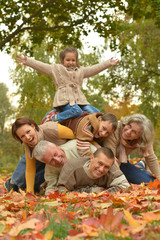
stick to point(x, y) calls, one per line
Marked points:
point(40, 149)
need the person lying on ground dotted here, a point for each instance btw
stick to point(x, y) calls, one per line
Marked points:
point(56, 157)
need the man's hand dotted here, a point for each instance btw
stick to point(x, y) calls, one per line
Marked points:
point(21, 59)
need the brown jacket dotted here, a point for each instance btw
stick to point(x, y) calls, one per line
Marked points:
point(68, 82)
point(85, 126)
point(74, 175)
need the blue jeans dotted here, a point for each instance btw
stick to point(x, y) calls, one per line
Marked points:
point(68, 111)
point(18, 177)
point(134, 174)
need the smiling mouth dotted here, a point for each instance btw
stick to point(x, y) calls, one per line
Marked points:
point(97, 135)
point(98, 172)
point(31, 140)
point(127, 135)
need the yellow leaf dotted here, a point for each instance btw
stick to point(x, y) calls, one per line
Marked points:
point(135, 226)
point(48, 235)
point(151, 216)
point(21, 226)
point(132, 222)
point(52, 204)
point(102, 205)
point(90, 231)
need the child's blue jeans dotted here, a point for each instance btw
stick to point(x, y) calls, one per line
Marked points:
point(68, 111)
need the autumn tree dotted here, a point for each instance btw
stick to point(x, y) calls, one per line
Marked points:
point(138, 72)
point(65, 21)
point(9, 151)
point(57, 20)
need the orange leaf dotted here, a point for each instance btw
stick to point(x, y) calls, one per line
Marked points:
point(21, 226)
point(151, 216)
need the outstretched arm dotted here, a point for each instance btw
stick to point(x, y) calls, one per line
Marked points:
point(97, 68)
point(41, 67)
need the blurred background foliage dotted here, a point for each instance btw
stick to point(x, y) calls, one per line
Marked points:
point(42, 28)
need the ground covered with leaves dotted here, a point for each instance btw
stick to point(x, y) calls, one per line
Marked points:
point(133, 214)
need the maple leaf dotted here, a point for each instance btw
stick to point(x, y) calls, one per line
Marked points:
point(29, 224)
point(134, 225)
point(154, 185)
point(111, 221)
point(151, 216)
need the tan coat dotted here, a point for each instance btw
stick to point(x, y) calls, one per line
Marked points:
point(113, 142)
point(68, 82)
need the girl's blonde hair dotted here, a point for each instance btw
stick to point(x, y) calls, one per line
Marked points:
point(66, 50)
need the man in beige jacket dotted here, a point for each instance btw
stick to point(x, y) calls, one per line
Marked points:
point(56, 157)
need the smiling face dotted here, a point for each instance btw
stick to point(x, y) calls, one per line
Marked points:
point(70, 59)
point(131, 131)
point(105, 128)
point(54, 156)
point(100, 165)
point(27, 134)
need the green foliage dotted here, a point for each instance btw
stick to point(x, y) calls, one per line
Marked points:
point(137, 75)
point(60, 228)
point(35, 89)
point(65, 21)
point(110, 236)
point(5, 107)
point(10, 150)
point(59, 20)
point(148, 9)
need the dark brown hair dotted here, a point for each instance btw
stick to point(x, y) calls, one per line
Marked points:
point(111, 118)
point(19, 123)
point(106, 151)
point(66, 50)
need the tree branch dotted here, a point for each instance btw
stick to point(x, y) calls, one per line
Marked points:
point(155, 73)
point(75, 23)
point(19, 29)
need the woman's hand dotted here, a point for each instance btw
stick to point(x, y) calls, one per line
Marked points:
point(21, 59)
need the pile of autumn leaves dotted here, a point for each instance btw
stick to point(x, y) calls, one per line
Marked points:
point(133, 214)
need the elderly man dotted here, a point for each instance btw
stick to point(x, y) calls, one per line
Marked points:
point(56, 157)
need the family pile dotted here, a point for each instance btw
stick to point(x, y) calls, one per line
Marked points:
point(76, 147)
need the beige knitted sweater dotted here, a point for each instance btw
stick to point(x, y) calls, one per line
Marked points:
point(68, 82)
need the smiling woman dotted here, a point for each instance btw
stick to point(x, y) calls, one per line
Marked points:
point(134, 132)
point(26, 131)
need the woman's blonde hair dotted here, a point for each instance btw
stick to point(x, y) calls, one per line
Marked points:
point(147, 127)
